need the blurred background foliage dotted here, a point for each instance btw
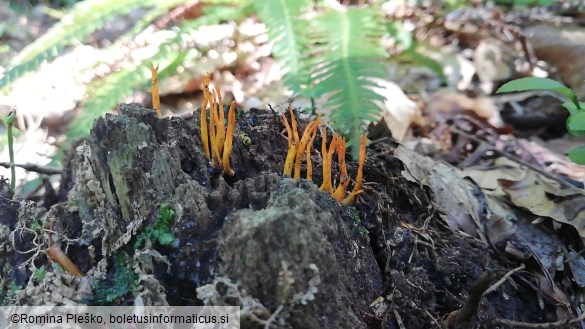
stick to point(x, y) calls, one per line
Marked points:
point(325, 49)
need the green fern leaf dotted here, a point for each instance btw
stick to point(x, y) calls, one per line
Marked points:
point(344, 56)
point(83, 19)
point(106, 93)
point(286, 31)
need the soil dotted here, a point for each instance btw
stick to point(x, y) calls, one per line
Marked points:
point(286, 252)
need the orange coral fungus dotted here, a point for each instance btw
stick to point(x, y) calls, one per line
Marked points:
point(298, 148)
point(308, 153)
point(227, 148)
point(327, 159)
point(302, 149)
point(155, 94)
point(57, 255)
point(293, 141)
point(357, 189)
point(339, 192)
point(203, 118)
point(215, 133)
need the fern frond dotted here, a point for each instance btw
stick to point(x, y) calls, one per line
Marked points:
point(287, 32)
point(109, 91)
point(345, 54)
point(83, 19)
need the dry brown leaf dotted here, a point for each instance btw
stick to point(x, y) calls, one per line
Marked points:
point(544, 197)
point(445, 106)
point(456, 197)
point(478, 213)
point(399, 111)
point(487, 178)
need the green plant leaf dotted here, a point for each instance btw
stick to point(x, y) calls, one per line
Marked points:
point(577, 155)
point(103, 95)
point(572, 108)
point(345, 54)
point(576, 123)
point(533, 83)
point(83, 19)
point(286, 31)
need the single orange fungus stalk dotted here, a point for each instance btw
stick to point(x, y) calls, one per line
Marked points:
point(57, 255)
point(292, 149)
point(357, 189)
point(220, 132)
point(327, 156)
point(155, 94)
point(227, 148)
point(203, 117)
point(339, 192)
point(308, 153)
point(214, 132)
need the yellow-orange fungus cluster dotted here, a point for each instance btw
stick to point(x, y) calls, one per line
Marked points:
point(216, 140)
point(155, 94)
point(301, 148)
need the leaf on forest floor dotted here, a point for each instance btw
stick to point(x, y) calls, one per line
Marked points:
point(487, 177)
point(446, 106)
point(544, 197)
point(455, 196)
point(469, 208)
point(399, 111)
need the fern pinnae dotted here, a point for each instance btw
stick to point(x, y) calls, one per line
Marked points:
point(109, 91)
point(346, 57)
point(286, 30)
point(83, 19)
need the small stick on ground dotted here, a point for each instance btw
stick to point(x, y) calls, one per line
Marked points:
point(471, 305)
point(35, 168)
point(503, 279)
point(556, 324)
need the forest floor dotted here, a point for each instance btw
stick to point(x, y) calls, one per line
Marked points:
point(454, 209)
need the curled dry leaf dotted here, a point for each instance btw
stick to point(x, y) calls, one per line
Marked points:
point(544, 197)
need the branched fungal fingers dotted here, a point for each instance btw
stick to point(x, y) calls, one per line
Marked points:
point(227, 149)
point(203, 122)
point(220, 120)
point(308, 151)
point(215, 132)
point(357, 189)
point(214, 136)
point(327, 159)
point(300, 153)
point(293, 123)
point(339, 192)
point(292, 149)
point(155, 94)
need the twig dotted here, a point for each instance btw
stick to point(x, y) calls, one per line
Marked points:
point(542, 325)
point(9, 122)
point(35, 168)
point(503, 279)
point(471, 305)
point(398, 319)
point(514, 158)
point(272, 317)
